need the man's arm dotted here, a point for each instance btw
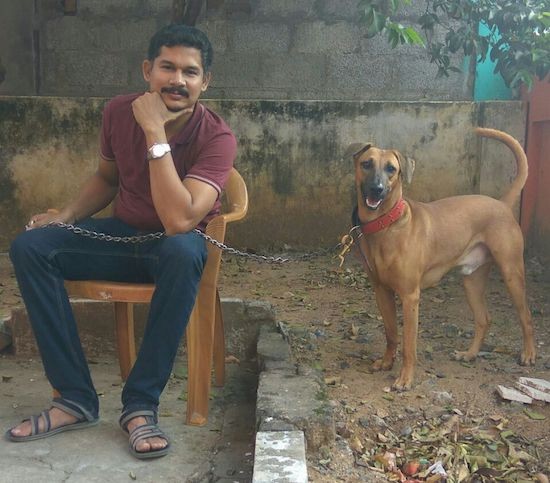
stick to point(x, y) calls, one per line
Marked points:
point(96, 193)
point(180, 205)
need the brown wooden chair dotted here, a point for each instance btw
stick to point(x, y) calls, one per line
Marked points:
point(205, 332)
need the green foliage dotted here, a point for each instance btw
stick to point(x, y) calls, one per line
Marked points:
point(518, 36)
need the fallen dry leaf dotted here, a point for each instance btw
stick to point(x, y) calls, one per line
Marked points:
point(356, 445)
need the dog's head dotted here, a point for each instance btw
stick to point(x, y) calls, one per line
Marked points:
point(378, 172)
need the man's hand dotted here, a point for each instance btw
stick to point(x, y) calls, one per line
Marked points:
point(42, 219)
point(152, 114)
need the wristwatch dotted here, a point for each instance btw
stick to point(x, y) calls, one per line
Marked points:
point(157, 150)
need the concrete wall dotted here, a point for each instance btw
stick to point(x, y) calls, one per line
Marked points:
point(290, 155)
point(264, 49)
point(17, 60)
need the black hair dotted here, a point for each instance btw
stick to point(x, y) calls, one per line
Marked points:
point(178, 34)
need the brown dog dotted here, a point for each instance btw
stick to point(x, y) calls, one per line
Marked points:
point(408, 246)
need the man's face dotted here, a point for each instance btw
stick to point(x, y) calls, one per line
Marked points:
point(177, 75)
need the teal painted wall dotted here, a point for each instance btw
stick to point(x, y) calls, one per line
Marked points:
point(488, 85)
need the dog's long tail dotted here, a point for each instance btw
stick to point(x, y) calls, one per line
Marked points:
point(513, 193)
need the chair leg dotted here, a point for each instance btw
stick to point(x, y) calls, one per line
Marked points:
point(200, 342)
point(126, 342)
point(219, 344)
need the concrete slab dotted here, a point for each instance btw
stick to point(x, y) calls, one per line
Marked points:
point(296, 400)
point(280, 457)
point(100, 453)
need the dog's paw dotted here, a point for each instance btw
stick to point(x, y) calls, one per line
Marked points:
point(527, 358)
point(382, 365)
point(465, 356)
point(402, 384)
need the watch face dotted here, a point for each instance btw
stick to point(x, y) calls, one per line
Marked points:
point(159, 150)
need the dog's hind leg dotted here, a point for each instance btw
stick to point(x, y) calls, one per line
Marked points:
point(514, 278)
point(475, 286)
point(385, 299)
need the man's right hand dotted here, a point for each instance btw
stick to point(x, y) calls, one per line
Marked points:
point(55, 216)
point(152, 115)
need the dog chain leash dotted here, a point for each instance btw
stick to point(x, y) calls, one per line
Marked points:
point(158, 235)
point(346, 243)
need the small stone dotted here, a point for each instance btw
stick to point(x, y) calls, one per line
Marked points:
point(377, 421)
point(451, 331)
point(431, 412)
point(406, 431)
point(382, 413)
point(343, 430)
point(333, 380)
point(364, 422)
point(350, 409)
point(441, 397)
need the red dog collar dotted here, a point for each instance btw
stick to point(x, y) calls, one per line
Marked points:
point(385, 220)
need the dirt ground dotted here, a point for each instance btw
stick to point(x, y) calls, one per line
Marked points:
point(453, 413)
point(335, 326)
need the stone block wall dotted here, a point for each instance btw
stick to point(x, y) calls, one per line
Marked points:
point(264, 49)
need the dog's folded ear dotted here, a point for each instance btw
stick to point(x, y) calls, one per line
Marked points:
point(407, 166)
point(356, 149)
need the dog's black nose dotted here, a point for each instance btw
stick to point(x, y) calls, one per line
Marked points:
point(376, 189)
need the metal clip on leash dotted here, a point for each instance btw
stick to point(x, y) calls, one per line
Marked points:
point(347, 241)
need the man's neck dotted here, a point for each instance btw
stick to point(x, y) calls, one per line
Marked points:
point(177, 125)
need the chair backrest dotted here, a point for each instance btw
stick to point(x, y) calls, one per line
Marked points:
point(236, 196)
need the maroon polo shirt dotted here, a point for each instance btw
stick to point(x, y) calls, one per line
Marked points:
point(204, 149)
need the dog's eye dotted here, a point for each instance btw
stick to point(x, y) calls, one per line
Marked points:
point(390, 168)
point(367, 164)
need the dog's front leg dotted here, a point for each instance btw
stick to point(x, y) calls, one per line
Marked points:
point(410, 303)
point(385, 299)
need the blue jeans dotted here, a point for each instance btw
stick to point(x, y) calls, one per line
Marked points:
point(43, 258)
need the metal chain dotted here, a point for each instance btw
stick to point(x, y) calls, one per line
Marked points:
point(234, 251)
point(157, 235)
point(104, 237)
point(230, 250)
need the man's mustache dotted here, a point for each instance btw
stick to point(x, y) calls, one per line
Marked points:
point(181, 91)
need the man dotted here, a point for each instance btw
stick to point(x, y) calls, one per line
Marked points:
point(165, 157)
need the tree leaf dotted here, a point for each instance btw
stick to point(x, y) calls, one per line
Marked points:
point(534, 415)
